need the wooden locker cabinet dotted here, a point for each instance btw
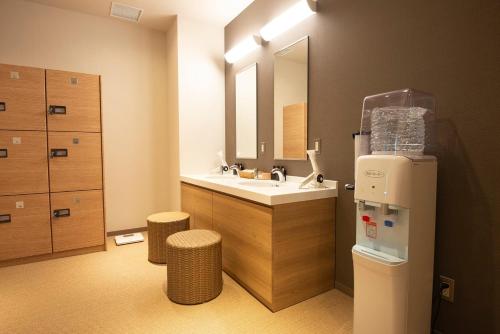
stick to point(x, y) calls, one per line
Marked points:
point(24, 226)
point(73, 101)
point(77, 219)
point(22, 98)
point(23, 162)
point(75, 161)
point(198, 203)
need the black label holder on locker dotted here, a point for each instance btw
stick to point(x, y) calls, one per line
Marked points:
point(62, 213)
point(57, 110)
point(4, 153)
point(3, 107)
point(58, 152)
point(4, 219)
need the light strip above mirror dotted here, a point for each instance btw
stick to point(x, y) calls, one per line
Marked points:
point(243, 48)
point(292, 16)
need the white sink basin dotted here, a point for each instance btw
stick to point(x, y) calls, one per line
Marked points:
point(262, 191)
point(260, 184)
point(221, 177)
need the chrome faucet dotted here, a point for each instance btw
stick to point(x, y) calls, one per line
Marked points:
point(236, 168)
point(277, 171)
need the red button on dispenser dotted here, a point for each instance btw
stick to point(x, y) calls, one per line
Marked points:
point(366, 218)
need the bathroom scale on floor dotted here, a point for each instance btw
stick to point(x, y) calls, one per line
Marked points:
point(129, 238)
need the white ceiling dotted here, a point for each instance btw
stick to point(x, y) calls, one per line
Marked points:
point(159, 13)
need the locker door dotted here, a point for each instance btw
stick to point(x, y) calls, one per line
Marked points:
point(24, 226)
point(73, 101)
point(75, 161)
point(77, 219)
point(23, 162)
point(22, 98)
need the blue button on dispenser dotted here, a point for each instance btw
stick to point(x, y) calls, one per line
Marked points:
point(388, 223)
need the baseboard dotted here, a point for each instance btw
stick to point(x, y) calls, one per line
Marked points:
point(344, 288)
point(130, 230)
point(51, 256)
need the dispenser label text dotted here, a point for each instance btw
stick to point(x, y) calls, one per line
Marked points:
point(374, 173)
point(371, 230)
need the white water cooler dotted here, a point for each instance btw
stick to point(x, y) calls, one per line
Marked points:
point(393, 258)
point(394, 251)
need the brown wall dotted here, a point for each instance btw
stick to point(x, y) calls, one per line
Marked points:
point(359, 48)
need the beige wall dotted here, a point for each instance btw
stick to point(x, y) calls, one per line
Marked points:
point(174, 201)
point(201, 95)
point(132, 62)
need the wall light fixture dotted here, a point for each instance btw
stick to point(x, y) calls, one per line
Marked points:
point(292, 16)
point(243, 48)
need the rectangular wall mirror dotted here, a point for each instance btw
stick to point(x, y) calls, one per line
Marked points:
point(246, 113)
point(290, 101)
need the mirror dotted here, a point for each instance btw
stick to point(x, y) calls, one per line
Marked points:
point(246, 113)
point(290, 101)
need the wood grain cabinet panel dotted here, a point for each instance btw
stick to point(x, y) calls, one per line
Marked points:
point(23, 162)
point(22, 98)
point(77, 219)
point(75, 161)
point(198, 203)
point(24, 226)
point(246, 243)
point(73, 100)
point(303, 250)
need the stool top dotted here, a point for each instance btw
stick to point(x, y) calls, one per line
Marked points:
point(167, 217)
point(194, 239)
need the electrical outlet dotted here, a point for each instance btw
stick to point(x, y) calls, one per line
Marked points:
point(262, 147)
point(448, 293)
point(317, 145)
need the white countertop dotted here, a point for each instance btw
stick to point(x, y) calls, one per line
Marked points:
point(263, 191)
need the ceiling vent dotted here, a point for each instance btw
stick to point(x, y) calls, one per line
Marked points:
point(125, 12)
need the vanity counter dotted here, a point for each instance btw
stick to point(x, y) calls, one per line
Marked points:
point(278, 242)
point(263, 191)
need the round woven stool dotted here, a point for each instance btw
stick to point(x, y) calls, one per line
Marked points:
point(194, 273)
point(160, 226)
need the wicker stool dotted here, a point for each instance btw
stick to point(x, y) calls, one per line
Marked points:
point(160, 226)
point(194, 273)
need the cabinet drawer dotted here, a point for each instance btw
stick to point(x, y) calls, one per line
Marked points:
point(75, 161)
point(24, 226)
point(246, 242)
point(22, 98)
point(73, 101)
point(77, 219)
point(23, 162)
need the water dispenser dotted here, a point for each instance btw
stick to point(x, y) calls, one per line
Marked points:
point(395, 195)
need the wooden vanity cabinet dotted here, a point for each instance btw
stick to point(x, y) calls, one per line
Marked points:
point(246, 230)
point(282, 254)
point(198, 203)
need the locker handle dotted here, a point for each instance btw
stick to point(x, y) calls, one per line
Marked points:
point(61, 213)
point(4, 153)
point(58, 152)
point(3, 107)
point(4, 219)
point(57, 110)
